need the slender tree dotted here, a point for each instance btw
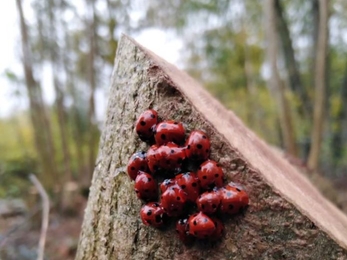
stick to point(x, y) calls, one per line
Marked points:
point(57, 64)
point(40, 121)
point(294, 77)
point(275, 83)
point(320, 81)
point(93, 52)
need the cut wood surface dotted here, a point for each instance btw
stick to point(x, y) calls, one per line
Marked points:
point(287, 217)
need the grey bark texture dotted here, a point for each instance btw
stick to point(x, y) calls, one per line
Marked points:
point(287, 217)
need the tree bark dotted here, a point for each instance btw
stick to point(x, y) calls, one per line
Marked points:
point(275, 84)
point(320, 86)
point(287, 217)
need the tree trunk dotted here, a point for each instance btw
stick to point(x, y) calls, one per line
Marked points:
point(57, 69)
point(40, 122)
point(287, 217)
point(320, 86)
point(93, 132)
point(340, 124)
point(290, 61)
point(275, 83)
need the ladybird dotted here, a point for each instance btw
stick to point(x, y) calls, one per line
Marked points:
point(146, 187)
point(169, 131)
point(173, 201)
point(189, 183)
point(198, 146)
point(218, 232)
point(167, 157)
point(210, 175)
point(233, 198)
point(200, 225)
point(152, 214)
point(208, 202)
point(166, 184)
point(145, 124)
point(182, 232)
point(137, 163)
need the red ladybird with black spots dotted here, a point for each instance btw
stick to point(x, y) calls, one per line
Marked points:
point(167, 183)
point(209, 201)
point(200, 225)
point(234, 198)
point(189, 183)
point(145, 124)
point(182, 232)
point(152, 214)
point(210, 175)
point(198, 146)
point(167, 158)
point(137, 162)
point(219, 231)
point(173, 201)
point(146, 187)
point(169, 131)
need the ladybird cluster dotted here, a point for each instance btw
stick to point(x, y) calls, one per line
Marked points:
point(192, 189)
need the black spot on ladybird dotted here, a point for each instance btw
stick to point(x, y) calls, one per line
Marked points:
point(229, 194)
point(204, 136)
point(231, 206)
point(176, 123)
point(163, 125)
point(152, 116)
point(158, 218)
point(199, 146)
point(204, 177)
point(188, 147)
point(183, 186)
point(172, 151)
point(205, 220)
point(194, 184)
point(195, 223)
point(178, 198)
point(132, 168)
point(149, 212)
point(238, 189)
point(203, 206)
point(216, 175)
point(143, 123)
point(149, 179)
point(163, 136)
point(146, 190)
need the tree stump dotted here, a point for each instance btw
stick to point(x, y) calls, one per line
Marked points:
point(287, 217)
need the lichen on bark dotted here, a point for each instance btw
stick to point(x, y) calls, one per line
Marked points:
point(271, 228)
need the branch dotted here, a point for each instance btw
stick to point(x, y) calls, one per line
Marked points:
point(45, 215)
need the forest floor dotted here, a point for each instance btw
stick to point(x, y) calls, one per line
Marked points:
point(19, 235)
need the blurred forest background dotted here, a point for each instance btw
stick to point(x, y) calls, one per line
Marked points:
point(280, 65)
